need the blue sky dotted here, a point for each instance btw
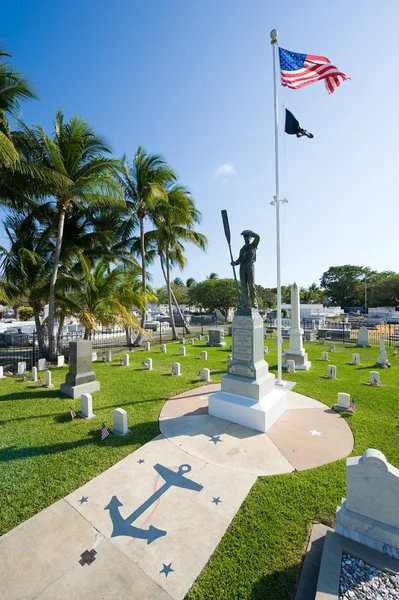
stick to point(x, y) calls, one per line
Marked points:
point(193, 82)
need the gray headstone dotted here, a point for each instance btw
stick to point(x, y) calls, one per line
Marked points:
point(355, 358)
point(34, 374)
point(147, 346)
point(80, 378)
point(48, 383)
point(216, 338)
point(108, 356)
point(42, 364)
point(147, 364)
point(331, 347)
point(324, 356)
point(374, 378)
point(205, 375)
point(176, 369)
point(332, 372)
point(370, 514)
point(125, 360)
point(363, 337)
point(291, 366)
point(93, 356)
point(191, 342)
point(163, 348)
point(204, 355)
point(182, 351)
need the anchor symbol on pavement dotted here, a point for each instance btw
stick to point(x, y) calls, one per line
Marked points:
point(123, 526)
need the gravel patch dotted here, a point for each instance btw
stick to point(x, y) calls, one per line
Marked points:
point(360, 581)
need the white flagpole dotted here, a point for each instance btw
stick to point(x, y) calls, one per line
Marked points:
point(276, 202)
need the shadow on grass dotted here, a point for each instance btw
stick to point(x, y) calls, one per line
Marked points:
point(47, 393)
point(139, 434)
point(279, 584)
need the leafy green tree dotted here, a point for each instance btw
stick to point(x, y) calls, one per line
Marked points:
point(344, 285)
point(144, 181)
point(75, 153)
point(214, 294)
point(384, 292)
point(312, 295)
point(266, 295)
point(212, 276)
point(175, 221)
point(14, 88)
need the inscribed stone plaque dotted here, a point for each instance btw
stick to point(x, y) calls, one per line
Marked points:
point(242, 371)
point(243, 344)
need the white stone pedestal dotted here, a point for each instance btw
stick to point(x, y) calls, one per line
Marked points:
point(248, 395)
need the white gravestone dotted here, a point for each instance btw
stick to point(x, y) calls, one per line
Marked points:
point(265, 350)
point(182, 340)
point(205, 375)
point(374, 378)
point(291, 366)
point(229, 357)
point(343, 400)
point(296, 351)
point(332, 372)
point(206, 338)
point(382, 360)
point(324, 356)
point(322, 340)
point(48, 383)
point(61, 360)
point(355, 358)
point(191, 342)
point(182, 351)
point(199, 337)
point(369, 514)
point(34, 374)
point(147, 346)
point(363, 338)
point(125, 360)
point(163, 348)
point(147, 364)
point(108, 356)
point(86, 403)
point(2, 376)
point(331, 347)
point(204, 355)
point(21, 368)
point(93, 356)
point(120, 422)
point(42, 364)
point(176, 369)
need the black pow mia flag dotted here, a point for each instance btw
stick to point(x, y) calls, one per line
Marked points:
point(292, 126)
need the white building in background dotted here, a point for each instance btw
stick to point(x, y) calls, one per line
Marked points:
point(315, 310)
point(384, 312)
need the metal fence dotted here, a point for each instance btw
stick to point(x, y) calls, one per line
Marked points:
point(22, 348)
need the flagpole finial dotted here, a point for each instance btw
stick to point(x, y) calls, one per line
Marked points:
point(273, 36)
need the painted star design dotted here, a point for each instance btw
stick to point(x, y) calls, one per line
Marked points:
point(140, 461)
point(314, 432)
point(166, 569)
point(216, 500)
point(215, 439)
point(83, 499)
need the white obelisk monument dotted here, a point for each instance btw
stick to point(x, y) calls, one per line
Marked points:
point(296, 351)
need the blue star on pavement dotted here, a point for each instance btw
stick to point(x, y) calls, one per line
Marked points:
point(215, 439)
point(166, 569)
point(140, 461)
point(83, 499)
point(216, 500)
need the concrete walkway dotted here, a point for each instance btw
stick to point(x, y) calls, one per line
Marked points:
point(145, 528)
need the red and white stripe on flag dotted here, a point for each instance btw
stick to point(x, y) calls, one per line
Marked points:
point(314, 69)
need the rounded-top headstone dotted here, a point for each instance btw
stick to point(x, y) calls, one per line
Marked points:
point(120, 422)
point(374, 459)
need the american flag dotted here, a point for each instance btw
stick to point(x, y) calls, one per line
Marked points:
point(288, 370)
point(72, 412)
point(144, 364)
point(351, 408)
point(25, 377)
point(104, 432)
point(298, 70)
point(39, 381)
point(8, 373)
point(173, 371)
point(377, 382)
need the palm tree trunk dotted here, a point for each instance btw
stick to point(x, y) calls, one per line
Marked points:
point(139, 338)
point(59, 333)
point(186, 327)
point(39, 333)
point(16, 309)
point(51, 303)
point(172, 319)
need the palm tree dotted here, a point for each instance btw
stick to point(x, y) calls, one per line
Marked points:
point(96, 299)
point(144, 181)
point(190, 282)
point(177, 281)
point(212, 276)
point(175, 222)
point(26, 267)
point(83, 177)
point(14, 88)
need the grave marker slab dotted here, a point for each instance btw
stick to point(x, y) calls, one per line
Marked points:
point(374, 378)
point(86, 411)
point(191, 342)
point(42, 364)
point(331, 347)
point(355, 359)
point(108, 356)
point(265, 350)
point(60, 360)
point(80, 378)
point(147, 364)
point(324, 356)
point(182, 351)
point(2, 376)
point(296, 351)
point(176, 369)
point(21, 368)
point(125, 360)
point(291, 366)
point(120, 422)
point(363, 338)
point(369, 514)
point(216, 338)
point(163, 348)
point(34, 374)
point(147, 346)
point(48, 383)
point(205, 375)
point(93, 356)
point(204, 355)
point(382, 360)
point(332, 372)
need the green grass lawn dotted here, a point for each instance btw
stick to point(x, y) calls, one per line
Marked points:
point(44, 455)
